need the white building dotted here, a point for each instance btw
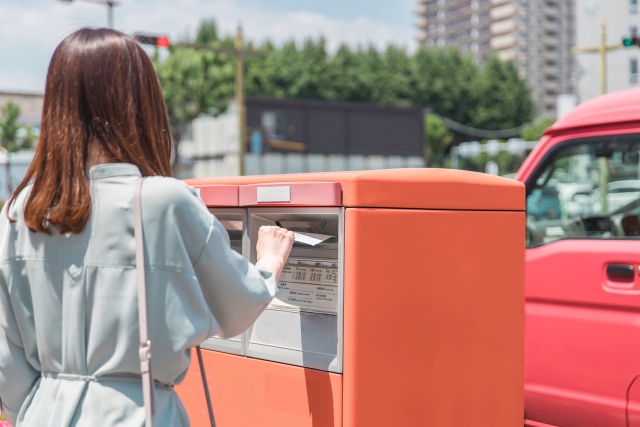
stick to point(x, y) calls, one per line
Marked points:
point(622, 19)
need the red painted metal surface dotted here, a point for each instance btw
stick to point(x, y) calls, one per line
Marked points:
point(433, 315)
point(301, 194)
point(614, 108)
point(433, 333)
point(582, 331)
point(250, 392)
point(426, 188)
point(582, 335)
point(633, 403)
point(529, 423)
point(433, 324)
point(218, 195)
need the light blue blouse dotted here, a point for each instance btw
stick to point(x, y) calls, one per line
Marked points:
point(68, 304)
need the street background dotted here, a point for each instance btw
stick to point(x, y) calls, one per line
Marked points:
point(260, 87)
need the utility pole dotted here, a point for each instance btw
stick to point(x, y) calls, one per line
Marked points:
point(603, 57)
point(110, 4)
point(239, 52)
point(239, 46)
point(603, 48)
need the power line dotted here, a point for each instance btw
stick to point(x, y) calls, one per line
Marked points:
point(479, 133)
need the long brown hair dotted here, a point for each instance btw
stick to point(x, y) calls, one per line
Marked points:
point(101, 89)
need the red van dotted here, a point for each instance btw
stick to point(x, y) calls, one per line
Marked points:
point(582, 283)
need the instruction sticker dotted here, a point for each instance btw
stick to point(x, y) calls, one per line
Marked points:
point(308, 285)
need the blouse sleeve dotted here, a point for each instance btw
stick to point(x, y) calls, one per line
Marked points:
point(17, 375)
point(235, 290)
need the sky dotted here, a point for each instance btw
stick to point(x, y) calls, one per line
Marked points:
point(31, 29)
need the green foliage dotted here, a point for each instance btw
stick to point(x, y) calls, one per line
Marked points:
point(9, 127)
point(30, 138)
point(10, 138)
point(492, 96)
point(505, 99)
point(195, 82)
point(207, 33)
point(438, 139)
point(448, 82)
point(535, 131)
point(290, 72)
point(507, 163)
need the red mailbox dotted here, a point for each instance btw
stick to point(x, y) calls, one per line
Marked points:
point(406, 309)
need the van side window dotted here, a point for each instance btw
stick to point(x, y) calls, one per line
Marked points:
point(586, 190)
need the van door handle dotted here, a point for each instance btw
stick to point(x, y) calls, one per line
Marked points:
point(620, 272)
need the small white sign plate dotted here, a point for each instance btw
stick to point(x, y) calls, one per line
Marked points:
point(274, 194)
point(198, 192)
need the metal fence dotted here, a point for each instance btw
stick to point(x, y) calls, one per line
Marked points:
point(279, 163)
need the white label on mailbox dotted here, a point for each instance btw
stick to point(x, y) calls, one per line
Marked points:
point(274, 194)
point(198, 192)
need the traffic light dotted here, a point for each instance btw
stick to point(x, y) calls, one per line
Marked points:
point(159, 41)
point(631, 41)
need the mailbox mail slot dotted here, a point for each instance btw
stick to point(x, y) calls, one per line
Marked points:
point(407, 311)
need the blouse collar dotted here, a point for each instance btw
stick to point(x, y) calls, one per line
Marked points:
point(108, 170)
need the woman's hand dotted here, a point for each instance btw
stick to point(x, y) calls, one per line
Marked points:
point(273, 248)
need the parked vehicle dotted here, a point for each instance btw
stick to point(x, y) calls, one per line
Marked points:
point(582, 283)
point(619, 193)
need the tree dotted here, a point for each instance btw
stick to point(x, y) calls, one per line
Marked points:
point(395, 77)
point(195, 82)
point(207, 32)
point(446, 82)
point(259, 72)
point(535, 131)
point(438, 138)
point(349, 77)
point(289, 72)
point(451, 84)
point(10, 138)
point(505, 99)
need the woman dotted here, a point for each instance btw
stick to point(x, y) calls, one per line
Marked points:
point(68, 303)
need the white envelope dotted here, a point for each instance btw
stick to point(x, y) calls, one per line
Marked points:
point(311, 239)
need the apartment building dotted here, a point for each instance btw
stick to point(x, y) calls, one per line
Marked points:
point(536, 34)
point(622, 19)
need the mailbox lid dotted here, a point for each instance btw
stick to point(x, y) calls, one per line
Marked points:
point(424, 188)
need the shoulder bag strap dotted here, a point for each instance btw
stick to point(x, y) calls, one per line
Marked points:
point(203, 374)
point(148, 389)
